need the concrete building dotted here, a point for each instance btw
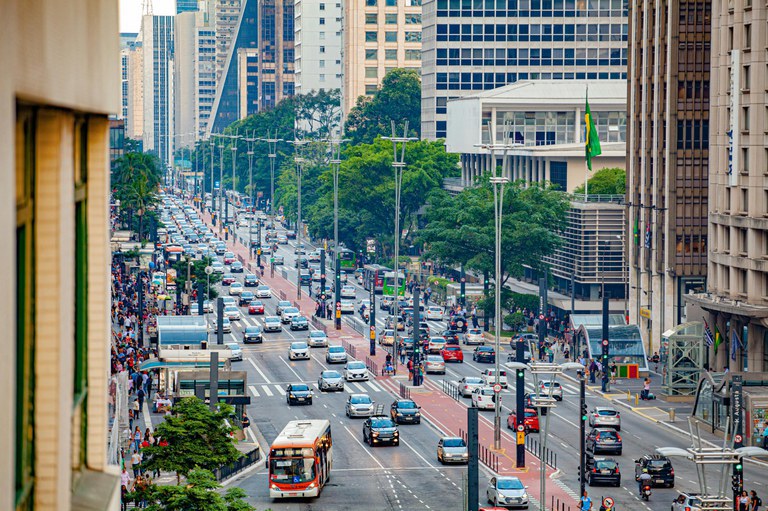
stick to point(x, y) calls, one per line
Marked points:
point(186, 6)
point(276, 48)
point(736, 300)
point(57, 89)
point(158, 77)
point(545, 119)
point(134, 126)
point(379, 35)
point(468, 49)
point(226, 13)
point(127, 43)
point(317, 27)
point(667, 160)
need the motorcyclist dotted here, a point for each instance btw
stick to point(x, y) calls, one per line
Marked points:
point(643, 480)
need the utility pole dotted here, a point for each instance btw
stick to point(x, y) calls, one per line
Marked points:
point(250, 143)
point(297, 143)
point(582, 432)
point(417, 377)
point(335, 149)
point(213, 192)
point(473, 468)
point(520, 403)
point(272, 154)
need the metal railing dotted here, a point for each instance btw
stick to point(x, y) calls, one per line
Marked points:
point(373, 367)
point(405, 392)
point(618, 199)
point(227, 471)
point(282, 294)
point(557, 505)
point(350, 348)
point(546, 455)
point(450, 389)
point(486, 456)
point(318, 324)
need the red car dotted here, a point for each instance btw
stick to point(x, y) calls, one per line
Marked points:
point(531, 421)
point(256, 307)
point(452, 354)
point(228, 279)
point(229, 259)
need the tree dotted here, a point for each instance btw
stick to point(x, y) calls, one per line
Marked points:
point(318, 114)
point(197, 274)
point(196, 437)
point(610, 181)
point(135, 181)
point(198, 493)
point(398, 99)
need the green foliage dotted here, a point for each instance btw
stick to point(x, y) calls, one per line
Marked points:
point(516, 321)
point(196, 436)
point(525, 301)
point(198, 493)
point(398, 99)
point(197, 274)
point(438, 282)
point(611, 181)
point(135, 181)
point(461, 229)
point(488, 302)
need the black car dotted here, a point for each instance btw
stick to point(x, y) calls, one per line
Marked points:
point(251, 281)
point(601, 470)
point(604, 440)
point(236, 267)
point(246, 297)
point(298, 393)
point(302, 262)
point(451, 337)
point(529, 403)
point(484, 354)
point(659, 468)
point(252, 334)
point(458, 322)
point(405, 410)
point(380, 429)
point(299, 323)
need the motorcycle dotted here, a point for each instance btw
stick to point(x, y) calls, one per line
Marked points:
point(645, 494)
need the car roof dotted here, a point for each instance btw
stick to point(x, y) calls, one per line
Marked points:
point(359, 395)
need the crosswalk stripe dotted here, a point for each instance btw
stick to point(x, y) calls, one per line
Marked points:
point(253, 390)
point(348, 390)
point(280, 390)
point(359, 387)
point(267, 390)
point(246, 321)
point(374, 386)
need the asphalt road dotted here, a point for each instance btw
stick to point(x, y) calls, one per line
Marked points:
point(408, 476)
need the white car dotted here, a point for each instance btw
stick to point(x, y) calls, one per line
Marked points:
point(336, 355)
point(218, 267)
point(435, 364)
point(355, 371)
point(468, 384)
point(317, 338)
point(263, 292)
point(359, 405)
point(272, 324)
point(436, 344)
point(232, 313)
point(236, 288)
point(228, 300)
point(474, 336)
point(347, 307)
point(483, 398)
point(435, 313)
point(226, 326)
point(507, 491)
point(298, 350)
point(235, 352)
point(553, 388)
point(289, 313)
point(348, 292)
point(489, 375)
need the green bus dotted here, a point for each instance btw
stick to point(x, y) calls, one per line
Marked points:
point(346, 260)
point(389, 284)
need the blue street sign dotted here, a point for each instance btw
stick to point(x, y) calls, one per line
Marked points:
point(216, 185)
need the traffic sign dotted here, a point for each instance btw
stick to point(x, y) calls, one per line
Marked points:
point(338, 306)
point(608, 502)
point(738, 439)
point(605, 342)
point(520, 438)
point(520, 427)
point(541, 316)
point(497, 387)
point(373, 328)
point(208, 270)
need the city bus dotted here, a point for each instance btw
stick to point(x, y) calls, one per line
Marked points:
point(346, 260)
point(373, 277)
point(300, 459)
point(389, 284)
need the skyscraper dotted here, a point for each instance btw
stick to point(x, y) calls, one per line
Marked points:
point(185, 6)
point(127, 45)
point(276, 48)
point(470, 46)
point(226, 14)
point(134, 126)
point(318, 45)
point(667, 165)
point(379, 35)
point(158, 85)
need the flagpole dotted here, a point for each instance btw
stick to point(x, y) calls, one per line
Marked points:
point(586, 164)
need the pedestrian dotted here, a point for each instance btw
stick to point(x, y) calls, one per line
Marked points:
point(592, 371)
point(125, 477)
point(136, 409)
point(754, 501)
point(402, 352)
point(130, 421)
point(614, 372)
point(136, 463)
point(137, 438)
point(585, 502)
point(410, 369)
point(123, 493)
point(646, 392)
point(140, 397)
point(743, 501)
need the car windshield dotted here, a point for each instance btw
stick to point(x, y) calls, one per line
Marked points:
point(473, 380)
point(233, 346)
point(299, 319)
point(300, 388)
point(509, 484)
point(454, 442)
point(230, 308)
point(434, 358)
point(406, 405)
point(331, 374)
point(317, 333)
point(360, 400)
point(252, 330)
point(382, 423)
point(607, 413)
point(292, 470)
point(298, 345)
point(356, 365)
point(291, 310)
point(476, 332)
point(336, 349)
point(256, 303)
point(605, 464)
point(271, 320)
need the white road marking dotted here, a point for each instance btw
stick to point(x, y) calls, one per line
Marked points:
point(280, 390)
point(354, 437)
point(299, 378)
point(348, 390)
point(374, 386)
point(359, 387)
point(253, 390)
point(259, 370)
point(267, 391)
point(417, 454)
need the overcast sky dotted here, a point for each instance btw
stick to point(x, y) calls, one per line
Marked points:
point(130, 12)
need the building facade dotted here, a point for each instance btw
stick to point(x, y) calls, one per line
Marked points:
point(737, 279)
point(134, 126)
point(468, 49)
point(158, 86)
point(186, 6)
point(378, 36)
point(667, 160)
point(54, 220)
point(318, 45)
point(127, 44)
point(226, 14)
point(276, 48)
point(544, 119)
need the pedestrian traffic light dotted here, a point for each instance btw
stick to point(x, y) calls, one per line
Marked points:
point(736, 483)
point(604, 356)
point(520, 373)
point(583, 411)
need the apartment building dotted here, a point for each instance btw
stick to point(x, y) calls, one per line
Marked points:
point(318, 45)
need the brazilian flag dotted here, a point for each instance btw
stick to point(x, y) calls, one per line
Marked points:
point(592, 140)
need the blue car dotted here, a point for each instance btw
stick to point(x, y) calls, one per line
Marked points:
point(484, 354)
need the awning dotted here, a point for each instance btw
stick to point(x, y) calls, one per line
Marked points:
point(154, 363)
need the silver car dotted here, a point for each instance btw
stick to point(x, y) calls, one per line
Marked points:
point(355, 371)
point(551, 388)
point(289, 313)
point(507, 491)
point(470, 383)
point(452, 449)
point(435, 364)
point(359, 405)
point(330, 380)
point(317, 338)
point(336, 355)
point(232, 313)
point(272, 324)
point(298, 350)
point(603, 416)
point(282, 304)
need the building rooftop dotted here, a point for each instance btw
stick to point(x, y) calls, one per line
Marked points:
point(556, 92)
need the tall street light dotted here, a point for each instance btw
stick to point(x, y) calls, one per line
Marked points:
point(231, 199)
point(272, 154)
point(213, 192)
point(398, 164)
point(297, 144)
point(251, 142)
point(335, 146)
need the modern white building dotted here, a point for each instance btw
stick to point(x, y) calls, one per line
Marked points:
point(317, 27)
point(471, 46)
point(545, 119)
point(158, 85)
point(226, 14)
point(134, 122)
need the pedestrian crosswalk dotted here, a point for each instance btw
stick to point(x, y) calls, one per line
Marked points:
point(529, 387)
point(353, 387)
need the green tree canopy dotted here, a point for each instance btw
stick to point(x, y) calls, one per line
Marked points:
point(197, 274)
point(610, 181)
point(461, 229)
point(196, 436)
point(199, 493)
point(398, 99)
point(135, 181)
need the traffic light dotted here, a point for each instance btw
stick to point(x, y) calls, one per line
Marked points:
point(736, 483)
point(584, 412)
point(604, 356)
point(520, 374)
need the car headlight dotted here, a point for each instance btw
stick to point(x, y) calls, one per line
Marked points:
point(417, 414)
point(397, 433)
point(399, 414)
point(291, 396)
point(311, 486)
point(375, 433)
point(274, 487)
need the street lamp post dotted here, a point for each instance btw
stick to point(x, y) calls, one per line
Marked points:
point(297, 144)
point(213, 192)
point(335, 163)
point(272, 154)
point(251, 142)
point(398, 164)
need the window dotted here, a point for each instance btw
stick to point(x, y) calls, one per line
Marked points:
point(322, 36)
point(390, 18)
point(391, 3)
point(80, 296)
point(390, 54)
point(390, 37)
point(322, 49)
point(558, 174)
point(413, 19)
point(746, 78)
point(322, 21)
point(412, 54)
point(24, 460)
point(745, 205)
point(371, 37)
point(765, 336)
point(371, 54)
point(322, 63)
point(370, 3)
point(370, 90)
point(747, 36)
point(371, 18)
point(322, 7)
point(413, 37)
point(371, 72)
point(745, 159)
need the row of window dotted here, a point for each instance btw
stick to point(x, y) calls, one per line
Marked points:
point(372, 18)
point(391, 54)
point(391, 37)
point(452, 81)
point(501, 54)
point(393, 3)
point(614, 62)
point(503, 8)
point(533, 33)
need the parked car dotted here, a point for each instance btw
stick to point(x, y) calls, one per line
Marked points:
point(659, 468)
point(452, 449)
point(380, 430)
point(298, 393)
point(469, 383)
point(507, 491)
point(359, 405)
point(484, 354)
point(605, 417)
point(252, 334)
point(297, 350)
point(604, 440)
point(530, 421)
point(452, 354)
point(330, 380)
point(405, 410)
